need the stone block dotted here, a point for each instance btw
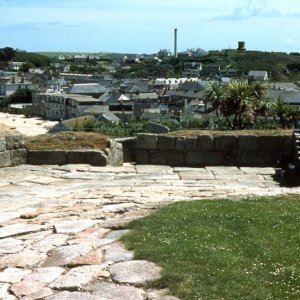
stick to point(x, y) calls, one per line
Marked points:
point(115, 154)
point(194, 158)
point(256, 158)
point(191, 143)
point(157, 157)
point(75, 157)
point(226, 142)
point(18, 157)
point(213, 158)
point(147, 141)
point(287, 142)
point(205, 142)
point(229, 158)
point(5, 159)
point(15, 142)
point(95, 158)
point(142, 157)
point(129, 148)
point(180, 144)
point(174, 158)
point(2, 143)
point(166, 142)
point(274, 142)
point(47, 157)
point(247, 142)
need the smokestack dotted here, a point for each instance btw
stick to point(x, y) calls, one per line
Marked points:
point(175, 42)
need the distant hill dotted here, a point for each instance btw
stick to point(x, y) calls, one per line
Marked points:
point(281, 66)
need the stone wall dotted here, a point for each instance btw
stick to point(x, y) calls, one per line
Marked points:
point(112, 156)
point(12, 150)
point(211, 150)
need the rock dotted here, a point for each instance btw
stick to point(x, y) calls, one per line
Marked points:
point(117, 253)
point(147, 141)
point(61, 256)
point(93, 233)
point(46, 157)
point(4, 287)
point(117, 208)
point(160, 295)
point(117, 292)
point(157, 128)
point(74, 296)
point(95, 158)
point(20, 228)
point(27, 287)
point(73, 227)
point(5, 159)
point(92, 258)
point(18, 157)
point(77, 278)
point(49, 242)
point(40, 294)
point(10, 246)
point(15, 141)
point(45, 275)
point(116, 234)
point(137, 272)
point(25, 259)
point(13, 275)
point(115, 154)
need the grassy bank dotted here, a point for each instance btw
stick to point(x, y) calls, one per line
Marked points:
point(68, 141)
point(224, 249)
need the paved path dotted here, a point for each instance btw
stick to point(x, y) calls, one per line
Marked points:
point(59, 237)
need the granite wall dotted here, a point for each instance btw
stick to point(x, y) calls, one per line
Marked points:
point(210, 150)
point(12, 150)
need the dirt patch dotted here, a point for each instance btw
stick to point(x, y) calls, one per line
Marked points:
point(4, 130)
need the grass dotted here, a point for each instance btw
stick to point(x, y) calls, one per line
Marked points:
point(68, 141)
point(224, 249)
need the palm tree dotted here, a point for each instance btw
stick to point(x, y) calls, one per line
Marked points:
point(239, 103)
point(262, 103)
point(215, 95)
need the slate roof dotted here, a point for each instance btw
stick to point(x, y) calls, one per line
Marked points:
point(258, 74)
point(87, 88)
point(109, 116)
point(91, 109)
point(290, 97)
point(284, 86)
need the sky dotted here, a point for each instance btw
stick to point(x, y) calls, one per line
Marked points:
point(146, 26)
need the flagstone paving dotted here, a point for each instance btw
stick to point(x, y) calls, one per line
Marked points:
point(59, 224)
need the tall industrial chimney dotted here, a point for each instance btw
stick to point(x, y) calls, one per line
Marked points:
point(175, 42)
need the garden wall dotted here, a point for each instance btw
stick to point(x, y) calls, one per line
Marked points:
point(210, 150)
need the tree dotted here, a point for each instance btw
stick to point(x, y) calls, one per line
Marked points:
point(215, 95)
point(21, 96)
point(26, 66)
point(286, 113)
point(239, 102)
point(7, 53)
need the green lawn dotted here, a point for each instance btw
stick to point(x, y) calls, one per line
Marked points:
point(224, 249)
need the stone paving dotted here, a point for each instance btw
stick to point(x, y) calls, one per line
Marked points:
point(59, 225)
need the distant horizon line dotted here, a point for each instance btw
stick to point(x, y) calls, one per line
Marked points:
point(145, 53)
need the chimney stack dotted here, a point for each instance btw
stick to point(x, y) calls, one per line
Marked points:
point(175, 42)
